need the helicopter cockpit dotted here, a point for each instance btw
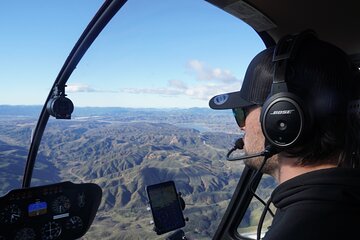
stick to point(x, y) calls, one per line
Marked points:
point(65, 209)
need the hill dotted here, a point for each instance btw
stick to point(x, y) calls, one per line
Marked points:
point(124, 150)
point(123, 158)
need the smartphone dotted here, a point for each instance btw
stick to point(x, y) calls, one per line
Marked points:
point(165, 207)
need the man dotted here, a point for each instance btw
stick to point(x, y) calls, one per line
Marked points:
point(300, 106)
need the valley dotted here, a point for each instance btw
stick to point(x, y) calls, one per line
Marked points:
point(123, 151)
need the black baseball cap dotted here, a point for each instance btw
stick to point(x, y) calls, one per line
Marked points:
point(256, 86)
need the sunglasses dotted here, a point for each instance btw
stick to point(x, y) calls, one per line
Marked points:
point(240, 115)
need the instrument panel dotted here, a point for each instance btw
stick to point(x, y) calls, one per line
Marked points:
point(57, 211)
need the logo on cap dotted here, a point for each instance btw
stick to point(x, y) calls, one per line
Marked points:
point(221, 99)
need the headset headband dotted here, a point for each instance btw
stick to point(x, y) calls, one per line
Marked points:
point(285, 51)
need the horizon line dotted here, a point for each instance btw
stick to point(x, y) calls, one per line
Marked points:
point(36, 105)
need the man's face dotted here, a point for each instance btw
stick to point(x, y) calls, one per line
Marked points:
point(254, 141)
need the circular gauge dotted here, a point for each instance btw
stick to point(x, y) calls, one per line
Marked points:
point(61, 205)
point(10, 214)
point(25, 234)
point(74, 222)
point(51, 230)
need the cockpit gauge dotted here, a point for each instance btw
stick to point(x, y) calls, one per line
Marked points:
point(10, 214)
point(25, 234)
point(73, 223)
point(37, 208)
point(60, 211)
point(61, 205)
point(51, 230)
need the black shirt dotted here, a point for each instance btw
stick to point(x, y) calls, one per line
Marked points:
point(323, 204)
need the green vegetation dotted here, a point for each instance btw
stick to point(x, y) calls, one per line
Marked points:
point(125, 151)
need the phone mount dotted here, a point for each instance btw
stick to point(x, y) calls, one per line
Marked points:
point(167, 206)
point(177, 235)
point(182, 202)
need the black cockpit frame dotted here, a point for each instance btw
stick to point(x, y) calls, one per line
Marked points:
point(235, 211)
point(97, 24)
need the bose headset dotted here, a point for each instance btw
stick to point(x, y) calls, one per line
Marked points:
point(284, 119)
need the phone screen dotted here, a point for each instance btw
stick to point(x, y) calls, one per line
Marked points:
point(165, 207)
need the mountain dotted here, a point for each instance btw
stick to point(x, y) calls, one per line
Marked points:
point(14, 146)
point(123, 151)
point(123, 158)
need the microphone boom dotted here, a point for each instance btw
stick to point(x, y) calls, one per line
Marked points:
point(228, 158)
point(239, 144)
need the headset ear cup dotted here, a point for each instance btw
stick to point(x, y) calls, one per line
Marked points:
point(283, 120)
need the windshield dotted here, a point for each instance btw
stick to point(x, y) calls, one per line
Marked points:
point(141, 114)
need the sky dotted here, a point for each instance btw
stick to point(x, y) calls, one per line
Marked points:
point(159, 53)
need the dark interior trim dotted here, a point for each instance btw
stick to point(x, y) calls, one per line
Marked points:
point(227, 229)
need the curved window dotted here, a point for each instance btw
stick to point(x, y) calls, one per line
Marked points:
point(249, 223)
point(141, 111)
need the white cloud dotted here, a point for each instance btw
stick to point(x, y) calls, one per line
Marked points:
point(177, 84)
point(199, 91)
point(211, 82)
point(206, 91)
point(161, 91)
point(203, 72)
point(80, 87)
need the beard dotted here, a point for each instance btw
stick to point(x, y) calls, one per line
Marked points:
point(270, 167)
point(255, 143)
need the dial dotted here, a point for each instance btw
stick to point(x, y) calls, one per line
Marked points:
point(74, 222)
point(61, 205)
point(25, 234)
point(10, 214)
point(51, 230)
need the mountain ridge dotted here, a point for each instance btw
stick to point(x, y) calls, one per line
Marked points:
point(124, 153)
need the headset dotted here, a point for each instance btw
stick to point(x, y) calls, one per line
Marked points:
point(285, 121)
